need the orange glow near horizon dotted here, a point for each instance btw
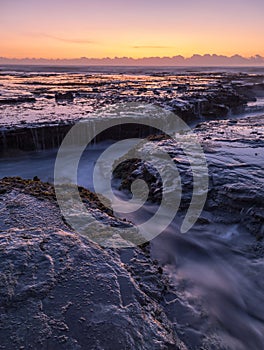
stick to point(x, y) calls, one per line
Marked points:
point(115, 28)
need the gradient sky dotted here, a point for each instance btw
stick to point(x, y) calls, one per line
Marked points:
point(138, 28)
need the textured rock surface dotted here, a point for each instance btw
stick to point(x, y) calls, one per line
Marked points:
point(29, 100)
point(61, 291)
point(234, 151)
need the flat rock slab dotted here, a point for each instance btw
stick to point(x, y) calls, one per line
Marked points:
point(61, 291)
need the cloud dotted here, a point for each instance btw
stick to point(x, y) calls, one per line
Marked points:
point(66, 40)
point(208, 60)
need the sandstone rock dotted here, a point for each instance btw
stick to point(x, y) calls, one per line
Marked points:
point(61, 291)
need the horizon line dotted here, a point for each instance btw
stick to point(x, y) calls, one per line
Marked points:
point(178, 60)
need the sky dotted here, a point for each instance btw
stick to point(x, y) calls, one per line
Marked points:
point(138, 28)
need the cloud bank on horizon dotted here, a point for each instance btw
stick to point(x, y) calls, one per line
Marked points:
point(195, 60)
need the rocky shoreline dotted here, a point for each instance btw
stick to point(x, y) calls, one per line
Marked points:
point(234, 152)
point(60, 290)
point(40, 118)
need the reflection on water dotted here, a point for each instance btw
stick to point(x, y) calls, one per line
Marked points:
point(94, 89)
point(91, 90)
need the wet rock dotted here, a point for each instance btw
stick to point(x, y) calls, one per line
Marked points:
point(92, 91)
point(64, 289)
point(251, 90)
point(211, 110)
point(60, 290)
point(67, 96)
point(213, 97)
point(236, 183)
point(182, 88)
point(50, 136)
point(33, 137)
point(43, 190)
point(17, 100)
point(130, 170)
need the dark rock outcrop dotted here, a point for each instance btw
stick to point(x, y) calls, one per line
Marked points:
point(67, 96)
point(50, 136)
point(61, 291)
point(16, 100)
point(234, 151)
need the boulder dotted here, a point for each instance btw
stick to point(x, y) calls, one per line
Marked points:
point(59, 290)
